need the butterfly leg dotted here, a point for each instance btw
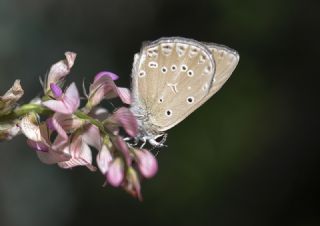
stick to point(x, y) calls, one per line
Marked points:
point(144, 141)
point(157, 144)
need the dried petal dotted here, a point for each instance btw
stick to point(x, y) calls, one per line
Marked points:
point(10, 98)
point(8, 130)
point(30, 127)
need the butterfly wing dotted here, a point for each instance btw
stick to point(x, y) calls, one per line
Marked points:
point(226, 60)
point(171, 77)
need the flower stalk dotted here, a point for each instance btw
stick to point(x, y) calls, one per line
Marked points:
point(62, 133)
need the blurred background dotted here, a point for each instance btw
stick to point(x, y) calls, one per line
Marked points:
point(249, 156)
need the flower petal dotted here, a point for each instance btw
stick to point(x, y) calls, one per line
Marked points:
point(147, 163)
point(124, 95)
point(30, 128)
point(56, 125)
point(72, 98)
point(107, 74)
point(104, 159)
point(56, 90)
point(105, 88)
point(123, 147)
point(115, 174)
point(68, 103)
point(124, 117)
point(38, 146)
point(9, 130)
point(80, 155)
point(10, 98)
point(92, 137)
point(52, 157)
point(60, 69)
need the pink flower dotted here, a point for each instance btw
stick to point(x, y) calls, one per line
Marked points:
point(124, 117)
point(66, 103)
point(115, 173)
point(80, 153)
point(81, 138)
point(104, 159)
point(39, 139)
point(59, 70)
point(103, 87)
point(147, 163)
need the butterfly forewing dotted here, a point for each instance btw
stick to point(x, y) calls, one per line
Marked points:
point(171, 78)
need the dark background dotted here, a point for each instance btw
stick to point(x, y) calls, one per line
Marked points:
point(249, 156)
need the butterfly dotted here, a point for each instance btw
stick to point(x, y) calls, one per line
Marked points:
point(171, 78)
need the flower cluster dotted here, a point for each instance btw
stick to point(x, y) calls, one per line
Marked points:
point(63, 133)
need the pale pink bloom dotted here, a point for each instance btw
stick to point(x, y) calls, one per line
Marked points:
point(79, 149)
point(104, 87)
point(52, 156)
point(115, 174)
point(39, 139)
point(92, 136)
point(80, 153)
point(59, 70)
point(66, 103)
point(64, 124)
point(125, 118)
point(9, 99)
point(147, 163)
point(104, 158)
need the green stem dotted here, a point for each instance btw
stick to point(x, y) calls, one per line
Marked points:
point(25, 109)
point(91, 120)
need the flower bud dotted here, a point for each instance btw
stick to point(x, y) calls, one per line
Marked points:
point(147, 163)
point(115, 174)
